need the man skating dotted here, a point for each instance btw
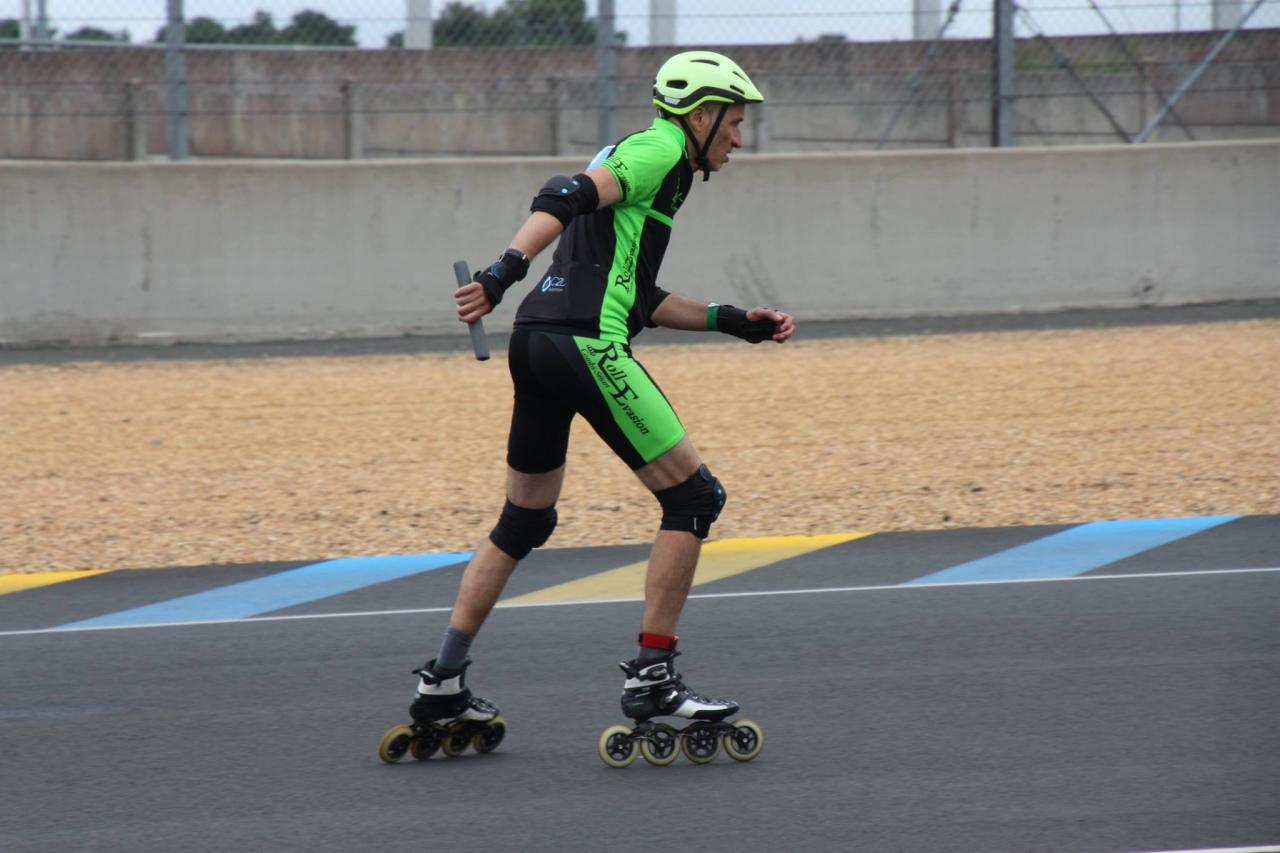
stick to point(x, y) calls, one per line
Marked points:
point(570, 355)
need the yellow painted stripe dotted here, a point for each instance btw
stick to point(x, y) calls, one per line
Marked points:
point(17, 583)
point(720, 559)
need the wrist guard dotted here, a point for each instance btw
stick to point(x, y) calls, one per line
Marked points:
point(511, 267)
point(733, 321)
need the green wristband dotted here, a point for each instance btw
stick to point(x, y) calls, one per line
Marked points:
point(713, 317)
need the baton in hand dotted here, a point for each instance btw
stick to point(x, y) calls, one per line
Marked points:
point(478, 343)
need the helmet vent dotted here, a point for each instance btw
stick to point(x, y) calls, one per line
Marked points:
point(707, 62)
point(739, 90)
point(678, 84)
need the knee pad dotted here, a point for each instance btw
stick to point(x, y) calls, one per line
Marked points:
point(520, 530)
point(693, 505)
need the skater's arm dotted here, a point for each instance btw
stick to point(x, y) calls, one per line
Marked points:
point(692, 315)
point(538, 232)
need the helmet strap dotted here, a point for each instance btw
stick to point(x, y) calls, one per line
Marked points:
point(701, 148)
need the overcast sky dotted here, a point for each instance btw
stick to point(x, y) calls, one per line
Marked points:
point(698, 21)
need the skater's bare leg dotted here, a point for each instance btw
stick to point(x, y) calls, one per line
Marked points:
point(670, 575)
point(674, 557)
point(490, 567)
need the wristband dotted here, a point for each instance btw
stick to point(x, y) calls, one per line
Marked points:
point(733, 321)
point(510, 267)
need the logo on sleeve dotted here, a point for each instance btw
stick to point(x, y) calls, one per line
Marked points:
point(622, 172)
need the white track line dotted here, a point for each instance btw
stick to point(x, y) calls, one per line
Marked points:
point(1272, 849)
point(707, 595)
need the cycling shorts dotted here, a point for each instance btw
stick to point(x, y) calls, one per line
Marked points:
point(557, 376)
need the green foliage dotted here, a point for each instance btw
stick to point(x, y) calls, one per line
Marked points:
point(202, 31)
point(95, 34)
point(308, 27)
point(311, 27)
point(519, 23)
point(11, 28)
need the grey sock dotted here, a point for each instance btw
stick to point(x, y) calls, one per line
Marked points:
point(649, 655)
point(453, 651)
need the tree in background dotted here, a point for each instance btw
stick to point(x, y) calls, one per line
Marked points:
point(95, 34)
point(11, 28)
point(518, 23)
point(308, 27)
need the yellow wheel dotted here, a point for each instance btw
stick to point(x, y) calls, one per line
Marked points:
point(700, 743)
point(427, 742)
point(456, 739)
point(745, 742)
point(616, 747)
point(661, 746)
point(395, 744)
point(488, 740)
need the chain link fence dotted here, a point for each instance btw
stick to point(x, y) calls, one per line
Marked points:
point(131, 79)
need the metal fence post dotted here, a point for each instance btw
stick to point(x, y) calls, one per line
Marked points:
point(175, 64)
point(606, 72)
point(1002, 75)
point(353, 120)
point(136, 134)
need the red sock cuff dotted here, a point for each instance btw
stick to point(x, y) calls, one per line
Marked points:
point(658, 641)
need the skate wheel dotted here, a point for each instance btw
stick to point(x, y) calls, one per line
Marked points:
point(427, 742)
point(395, 744)
point(488, 740)
point(745, 742)
point(456, 739)
point(661, 746)
point(700, 743)
point(616, 747)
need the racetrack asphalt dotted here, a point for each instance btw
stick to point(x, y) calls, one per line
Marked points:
point(1129, 705)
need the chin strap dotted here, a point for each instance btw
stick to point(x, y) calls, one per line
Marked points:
point(701, 149)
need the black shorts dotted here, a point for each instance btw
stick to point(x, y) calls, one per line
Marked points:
point(558, 376)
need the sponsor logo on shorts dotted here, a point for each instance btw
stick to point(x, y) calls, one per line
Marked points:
point(553, 282)
point(604, 361)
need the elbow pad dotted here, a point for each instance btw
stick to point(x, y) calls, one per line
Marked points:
point(564, 198)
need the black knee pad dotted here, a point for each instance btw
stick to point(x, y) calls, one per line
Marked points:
point(520, 530)
point(693, 505)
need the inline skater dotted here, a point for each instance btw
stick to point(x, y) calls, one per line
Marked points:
point(570, 354)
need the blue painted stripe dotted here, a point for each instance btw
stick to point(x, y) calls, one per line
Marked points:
point(1075, 551)
point(278, 591)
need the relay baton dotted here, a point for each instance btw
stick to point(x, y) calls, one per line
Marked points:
point(478, 343)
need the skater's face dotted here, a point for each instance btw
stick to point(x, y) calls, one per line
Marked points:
point(728, 135)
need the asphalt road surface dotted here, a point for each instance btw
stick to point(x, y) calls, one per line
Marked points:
point(916, 694)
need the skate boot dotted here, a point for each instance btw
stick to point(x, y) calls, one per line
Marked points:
point(446, 717)
point(655, 689)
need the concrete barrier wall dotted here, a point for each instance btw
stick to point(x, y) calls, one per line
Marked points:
point(93, 253)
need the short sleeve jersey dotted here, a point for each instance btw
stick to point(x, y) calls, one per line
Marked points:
point(602, 282)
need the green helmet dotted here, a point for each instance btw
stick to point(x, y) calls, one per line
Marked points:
point(690, 79)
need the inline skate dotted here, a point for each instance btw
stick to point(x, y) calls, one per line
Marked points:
point(655, 689)
point(446, 717)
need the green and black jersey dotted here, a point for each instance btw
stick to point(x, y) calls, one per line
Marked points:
point(602, 282)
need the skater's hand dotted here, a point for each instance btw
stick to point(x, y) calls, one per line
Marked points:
point(471, 301)
point(784, 325)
